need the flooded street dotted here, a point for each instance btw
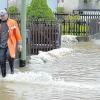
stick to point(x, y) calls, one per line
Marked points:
point(73, 76)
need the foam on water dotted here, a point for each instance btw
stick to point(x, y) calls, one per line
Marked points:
point(96, 41)
point(68, 39)
point(95, 38)
point(52, 55)
point(44, 78)
point(55, 54)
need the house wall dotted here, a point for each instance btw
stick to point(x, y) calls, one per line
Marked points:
point(69, 5)
point(93, 4)
point(60, 3)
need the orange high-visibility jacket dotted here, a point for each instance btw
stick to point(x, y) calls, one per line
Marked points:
point(14, 36)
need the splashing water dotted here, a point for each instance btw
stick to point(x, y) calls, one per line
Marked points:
point(96, 41)
point(46, 79)
point(75, 76)
point(68, 39)
point(52, 55)
point(95, 38)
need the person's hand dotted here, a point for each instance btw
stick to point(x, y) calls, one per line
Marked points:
point(19, 48)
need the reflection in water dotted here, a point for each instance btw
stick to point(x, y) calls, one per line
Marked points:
point(75, 76)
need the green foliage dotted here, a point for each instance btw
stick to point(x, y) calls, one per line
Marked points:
point(60, 10)
point(12, 10)
point(73, 17)
point(87, 1)
point(39, 9)
point(74, 26)
point(74, 29)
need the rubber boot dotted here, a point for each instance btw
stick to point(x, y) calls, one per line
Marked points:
point(11, 64)
point(3, 69)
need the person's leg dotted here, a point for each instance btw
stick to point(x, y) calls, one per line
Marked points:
point(3, 67)
point(3, 61)
point(11, 62)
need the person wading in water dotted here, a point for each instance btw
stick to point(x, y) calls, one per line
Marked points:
point(10, 38)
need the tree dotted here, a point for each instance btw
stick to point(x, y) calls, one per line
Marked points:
point(39, 9)
point(60, 10)
point(12, 10)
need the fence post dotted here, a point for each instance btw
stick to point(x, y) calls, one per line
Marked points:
point(59, 35)
point(23, 32)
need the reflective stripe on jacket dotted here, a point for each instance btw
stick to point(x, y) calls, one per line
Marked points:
point(14, 36)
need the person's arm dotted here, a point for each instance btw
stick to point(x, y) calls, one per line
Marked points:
point(18, 36)
point(17, 33)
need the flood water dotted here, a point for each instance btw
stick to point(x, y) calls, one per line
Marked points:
point(74, 76)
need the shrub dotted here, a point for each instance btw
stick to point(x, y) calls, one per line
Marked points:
point(39, 9)
point(12, 10)
point(60, 10)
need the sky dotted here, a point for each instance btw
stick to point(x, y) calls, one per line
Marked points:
point(51, 3)
point(3, 4)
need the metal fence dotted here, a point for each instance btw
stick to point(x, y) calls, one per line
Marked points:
point(80, 22)
point(74, 27)
point(91, 17)
point(45, 36)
